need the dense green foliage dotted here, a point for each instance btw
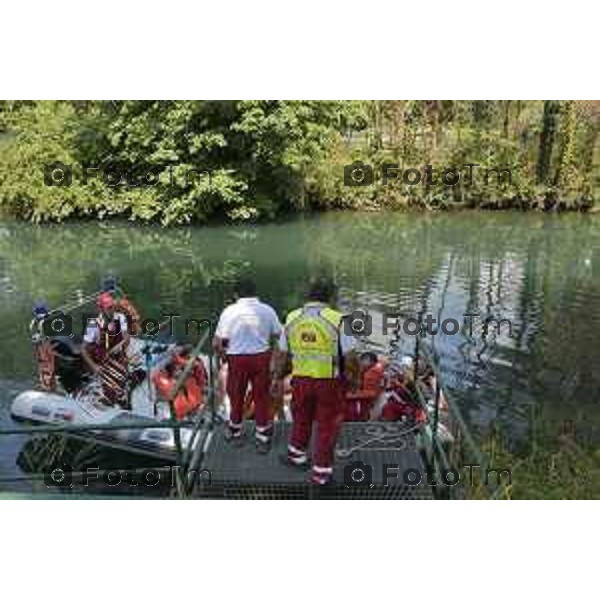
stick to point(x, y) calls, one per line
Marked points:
point(240, 160)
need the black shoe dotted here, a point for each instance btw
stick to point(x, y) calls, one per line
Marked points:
point(285, 459)
point(124, 403)
point(234, 438)
point(263, 446)
point(320, 480)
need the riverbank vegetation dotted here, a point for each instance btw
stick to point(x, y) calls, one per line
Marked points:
point(178, 162)
point(557, 466)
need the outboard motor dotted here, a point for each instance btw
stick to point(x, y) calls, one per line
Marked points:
point(69, 367)
point(58, 358)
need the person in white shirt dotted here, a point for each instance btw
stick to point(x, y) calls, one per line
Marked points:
point(104, 349)
point(105, 335)
point(245, 336)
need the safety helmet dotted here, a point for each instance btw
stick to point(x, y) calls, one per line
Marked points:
point(407, 362)
point(109, 283)
point(395, 368)
point(401, 366)
point(179, 361)
point(40, 310)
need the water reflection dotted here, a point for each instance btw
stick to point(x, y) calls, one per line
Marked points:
point(541, 272)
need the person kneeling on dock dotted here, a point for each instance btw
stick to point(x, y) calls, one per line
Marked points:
point(104, 350)
point(401, 402)
point(246, 333)
point(359, 402)
point(321, 353)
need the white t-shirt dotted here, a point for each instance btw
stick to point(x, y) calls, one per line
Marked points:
point(248, 325)
point(347, 342)
point(92, 331)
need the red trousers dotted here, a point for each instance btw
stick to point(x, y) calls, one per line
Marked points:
point(319, 401)
point(394, 411)
point(242, 370)
point(356, 410)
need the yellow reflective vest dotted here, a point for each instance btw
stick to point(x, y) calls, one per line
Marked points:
point(313, 342)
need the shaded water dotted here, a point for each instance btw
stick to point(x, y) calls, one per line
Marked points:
point(541, 272)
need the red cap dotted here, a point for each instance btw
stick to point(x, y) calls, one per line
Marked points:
point(105, 301)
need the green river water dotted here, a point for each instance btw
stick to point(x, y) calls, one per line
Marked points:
point(542, 272)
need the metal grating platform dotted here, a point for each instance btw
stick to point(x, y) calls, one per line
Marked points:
point(242, 473)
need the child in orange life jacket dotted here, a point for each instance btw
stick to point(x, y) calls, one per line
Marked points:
point(359, 402)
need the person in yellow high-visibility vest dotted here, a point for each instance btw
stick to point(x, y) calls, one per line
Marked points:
point(321, 356)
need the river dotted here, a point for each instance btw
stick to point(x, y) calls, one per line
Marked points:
point(540, 272)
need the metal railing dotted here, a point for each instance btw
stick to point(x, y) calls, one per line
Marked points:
point(190, 457)
point(463, 451)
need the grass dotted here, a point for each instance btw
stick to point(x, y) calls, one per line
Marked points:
point(558, 467)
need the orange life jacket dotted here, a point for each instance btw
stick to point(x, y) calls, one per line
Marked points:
point(190, 396)
point(359, 402)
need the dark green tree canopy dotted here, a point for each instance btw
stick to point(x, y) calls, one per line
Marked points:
point(188, 161)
